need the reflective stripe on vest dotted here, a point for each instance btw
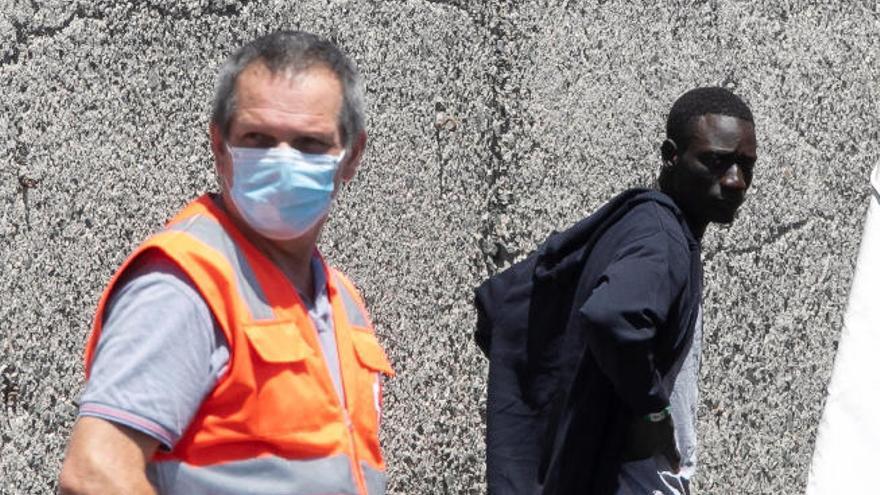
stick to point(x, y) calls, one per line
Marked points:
point(352, 309)
point(210, 233)
point(273, 424)
point(264, 476)
point(375, 479)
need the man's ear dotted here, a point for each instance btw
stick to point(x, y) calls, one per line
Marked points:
point(669, 152)
point(222, 159)
point(218, 143)
point(353, 157)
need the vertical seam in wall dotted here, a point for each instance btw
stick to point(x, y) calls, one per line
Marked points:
point(492, 246)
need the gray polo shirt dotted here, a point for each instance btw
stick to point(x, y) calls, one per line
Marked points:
point(161, 351)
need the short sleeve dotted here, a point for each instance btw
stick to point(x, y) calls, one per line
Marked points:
point(159, 354)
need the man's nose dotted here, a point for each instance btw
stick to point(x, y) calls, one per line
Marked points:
point(734, 178)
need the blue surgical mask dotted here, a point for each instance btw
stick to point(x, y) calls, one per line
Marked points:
point(281, 192)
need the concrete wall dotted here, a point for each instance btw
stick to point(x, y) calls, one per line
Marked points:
point(491, 123)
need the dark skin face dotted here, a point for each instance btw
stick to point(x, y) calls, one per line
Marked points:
point(709, 178)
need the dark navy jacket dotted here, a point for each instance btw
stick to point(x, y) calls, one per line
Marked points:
point(583, 335)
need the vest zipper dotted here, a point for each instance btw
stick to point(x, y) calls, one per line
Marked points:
point(356, 466)
point(343, 402)
point(346, 416)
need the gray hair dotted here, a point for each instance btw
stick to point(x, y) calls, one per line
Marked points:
point(294, 52)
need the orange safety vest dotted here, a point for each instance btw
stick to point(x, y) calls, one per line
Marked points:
point(274, 423)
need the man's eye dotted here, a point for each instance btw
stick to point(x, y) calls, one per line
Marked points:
point(712, 161)
point(257, 140)
point(313, 146)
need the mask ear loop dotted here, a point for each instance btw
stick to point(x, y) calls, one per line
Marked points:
point(339, 166)
point(231, 165)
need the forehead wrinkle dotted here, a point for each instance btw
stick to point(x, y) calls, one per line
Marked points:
point(258, 72)
point(252, 94)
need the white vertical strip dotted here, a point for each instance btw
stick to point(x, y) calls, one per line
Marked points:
point(847, 452)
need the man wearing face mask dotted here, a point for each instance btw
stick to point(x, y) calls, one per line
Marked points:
point(226, 356)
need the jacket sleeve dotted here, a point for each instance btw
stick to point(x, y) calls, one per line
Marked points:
point(629, 304)
point(483, 301)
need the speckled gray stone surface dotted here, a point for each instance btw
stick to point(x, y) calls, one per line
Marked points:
point(491, 123)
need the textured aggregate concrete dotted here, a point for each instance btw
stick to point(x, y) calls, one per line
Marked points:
point(491, 123)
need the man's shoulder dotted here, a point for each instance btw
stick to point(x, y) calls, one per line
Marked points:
point(154, 280)
point(653, 218)
point(153, 267)
point(645, 214)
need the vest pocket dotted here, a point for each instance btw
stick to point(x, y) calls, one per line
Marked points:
point(370, 353)
point(288, 404)
point(277, 342)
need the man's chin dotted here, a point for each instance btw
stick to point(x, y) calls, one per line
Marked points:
point(725, 217)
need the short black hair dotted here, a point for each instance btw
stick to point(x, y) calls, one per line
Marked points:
point(698, 102)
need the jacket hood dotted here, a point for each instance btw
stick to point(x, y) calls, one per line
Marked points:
point(562, 255)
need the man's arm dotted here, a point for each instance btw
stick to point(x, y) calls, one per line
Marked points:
point(106, 458)
point(622, 317)
point(158, 355)
point(646, 438)
point(624, 312)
